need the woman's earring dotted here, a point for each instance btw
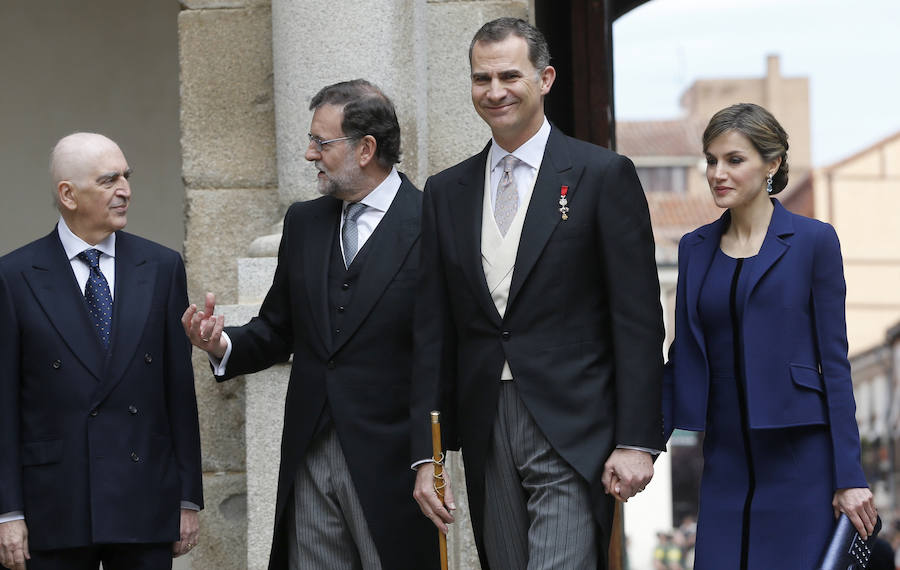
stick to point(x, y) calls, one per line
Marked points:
point(769, 184)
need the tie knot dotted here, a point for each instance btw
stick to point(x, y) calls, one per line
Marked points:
point(354, 211)
point(91, 257)
point(509, 162)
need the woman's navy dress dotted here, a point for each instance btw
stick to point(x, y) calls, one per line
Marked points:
point(752, 513)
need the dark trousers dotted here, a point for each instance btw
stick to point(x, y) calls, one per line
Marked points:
point(156, 556)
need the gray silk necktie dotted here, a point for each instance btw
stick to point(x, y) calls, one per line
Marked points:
point(507, 202)
point(350, 231)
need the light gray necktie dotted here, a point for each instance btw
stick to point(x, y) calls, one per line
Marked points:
point(350, 231)
point(507, 202)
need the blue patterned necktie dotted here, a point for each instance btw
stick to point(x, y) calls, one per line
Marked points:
point(350, 231)
point(96, 293)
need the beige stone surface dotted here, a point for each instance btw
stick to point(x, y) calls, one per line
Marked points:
point(461, 550)
point(221, 4)
point(221, 411)
point(223, 524)
point(227, 106)
point(455, 131)
point(385, 54)
point(221, 225)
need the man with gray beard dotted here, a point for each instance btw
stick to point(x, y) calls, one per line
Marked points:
point(341, 303)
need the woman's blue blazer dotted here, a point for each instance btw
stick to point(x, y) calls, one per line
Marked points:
point(793, 333)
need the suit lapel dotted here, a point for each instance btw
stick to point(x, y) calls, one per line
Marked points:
point(466, 210)
point(700, 258)
point(54, 286)
point(135, 279)
point(773, 246)
point(389, 247)
point(317, 246)
point(543, 211)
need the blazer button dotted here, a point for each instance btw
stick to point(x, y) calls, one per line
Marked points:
point(134, 457)
point(345, 286)
point(330, 365)
point(148, 358)
point(505, 335)
point(132, 410)
point(340, 309)
point(56, 364)
point(93, 413)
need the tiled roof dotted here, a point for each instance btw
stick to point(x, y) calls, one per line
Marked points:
point(679, 137)
point(673, 215)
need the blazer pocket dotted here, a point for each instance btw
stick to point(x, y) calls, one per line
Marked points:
point(807, 376)
point(42, 452)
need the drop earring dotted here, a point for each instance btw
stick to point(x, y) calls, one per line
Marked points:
point(769, 184)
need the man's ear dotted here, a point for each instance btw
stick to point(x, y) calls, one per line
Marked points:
point(548, 76)
point(65, 192)
point(366, 149)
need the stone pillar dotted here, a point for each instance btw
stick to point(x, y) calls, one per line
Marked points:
point(228, 156)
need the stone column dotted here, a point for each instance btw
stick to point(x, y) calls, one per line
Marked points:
point(228, 154)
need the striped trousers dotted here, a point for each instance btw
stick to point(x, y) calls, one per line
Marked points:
point(329, 530)
point(537, 513)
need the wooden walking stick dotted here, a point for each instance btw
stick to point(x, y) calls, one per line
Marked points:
point(438, 460)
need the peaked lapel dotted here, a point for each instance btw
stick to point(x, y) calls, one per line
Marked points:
point(466, 208)
point(54, 286)
point(318, 241)
point(389, 247)
point(542, 216)
point(135, 279)
point(773, 246)
point(703, 246)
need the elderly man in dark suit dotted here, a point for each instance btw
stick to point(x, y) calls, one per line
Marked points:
point(539, 327)
point(99, 441)
point(341, 302)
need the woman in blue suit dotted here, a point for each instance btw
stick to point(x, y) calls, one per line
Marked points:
point(759, 363)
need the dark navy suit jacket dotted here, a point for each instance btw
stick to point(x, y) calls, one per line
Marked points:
point(96, 446)
point(794, 336)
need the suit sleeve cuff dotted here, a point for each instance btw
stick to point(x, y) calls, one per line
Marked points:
point(415, 466)
point(189, 506)
point(12, 516)
point(653, 452)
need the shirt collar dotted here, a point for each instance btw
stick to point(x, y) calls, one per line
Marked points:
point(75, 245)
point(531, 152)
point(381, 196)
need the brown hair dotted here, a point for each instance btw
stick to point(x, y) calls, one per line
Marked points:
point(761, 129)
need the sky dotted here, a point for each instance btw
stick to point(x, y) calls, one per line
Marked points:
point(849, 50)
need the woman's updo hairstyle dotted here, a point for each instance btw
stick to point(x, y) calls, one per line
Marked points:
point(761, 128)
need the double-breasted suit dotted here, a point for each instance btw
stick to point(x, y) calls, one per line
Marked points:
point(781, 433)
point(96, 446)
point(361, 375)
point(582, 329)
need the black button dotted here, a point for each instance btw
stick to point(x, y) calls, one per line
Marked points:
point(93, 413)
point(134, 457)
point(56, 364)
point(505, 335)
point(337, 331)
point(345, 286)
point(132, 410)
point(330, 365)
point(340, 309)
point(148, 358)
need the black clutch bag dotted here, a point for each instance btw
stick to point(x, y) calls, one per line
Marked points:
point(847, 550)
